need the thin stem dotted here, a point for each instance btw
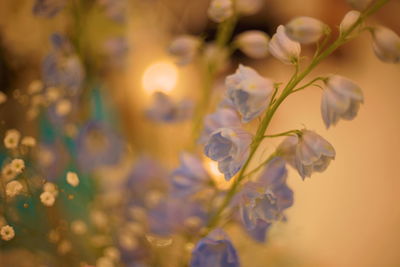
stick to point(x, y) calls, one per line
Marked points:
point(298, 132)
point(309, 83)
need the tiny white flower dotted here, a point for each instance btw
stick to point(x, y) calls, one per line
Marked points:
point(184, 48)
point(253, 43)
point(359, 4)
point(18, 165)
point(47, 199)
point(3, 97)
point(305, 30)
point(51, 188)
point(28, 141)
point(283, 48)
point(7, 232)
point(248, 7)
point(386, 44)
point(8, 172)
point(72, 179)
point(220, 10)
point(13, 188)
point(348, 21)
point(35, 87)
point(63, 107)
point(78, 227)
point(340, 100)
point(11, 139)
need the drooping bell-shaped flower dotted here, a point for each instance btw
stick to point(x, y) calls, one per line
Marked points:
point(184, 48)
point(253, 43)
point(308, 152)
point(283, 48)
point(165, 109)
point(220, 10)
point(230, 148)
point(340, 100)
point(215, 250)
point(249, 92)
point(190, 177)
point(386, 44)
point(349, 20)
point(248, 7)
point(305, 30)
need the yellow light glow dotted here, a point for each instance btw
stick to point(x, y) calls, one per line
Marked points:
point(216, 175)
point(160, 76)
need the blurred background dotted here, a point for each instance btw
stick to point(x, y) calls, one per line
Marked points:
point(346, 216)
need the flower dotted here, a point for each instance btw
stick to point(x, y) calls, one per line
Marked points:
point(48, 8)
point(164, 109)
point(341, 99)
point(72, 179)
point(3, 97)
point(253, 43)
point(28, 141)
point(249, 92)
point(248, 7)
point(7, 232)
point(230, 148)
point(50, 187)
point(11, 139)
point(13, 188)
point(308, 152)
point(47, 198)
point(184, 48)
point(263, 202)
point(190, 177)
point(305, 30)
point(359, 4)
point(283, 48)
point(220, 10)
point(8, 173)
point(215, 250)
point(17, 165)
point(348, 21)
point(386, 44)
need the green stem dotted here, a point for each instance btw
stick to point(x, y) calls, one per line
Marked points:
point(309, 83)
point(298, 132)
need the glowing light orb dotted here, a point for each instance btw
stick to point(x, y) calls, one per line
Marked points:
point(160, 76)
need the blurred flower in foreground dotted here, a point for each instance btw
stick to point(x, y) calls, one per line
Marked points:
point(215, 250)
point(48, 8)
point(263, 202)
point(341, 99)
point(253, 43)
point(386, 44)
point(308, 152)
point(283, 48)
point(164, 109)
point(220, 10)
point(184, 48)
point(305, 30)
point(230, 147)
point(249, 92)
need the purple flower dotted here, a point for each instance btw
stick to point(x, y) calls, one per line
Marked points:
point(164, 109)
point(48, 8)
point(215, 250)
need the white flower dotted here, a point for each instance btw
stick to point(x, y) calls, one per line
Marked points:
point(78, 227)
point(253, 43)
point(305, 30)
point(249, 92)
point(51, 188)
point(17, 165)
point(220, 10)
point(28, 141)
point(248, 7)
point(359, 4)
point(386, 44)
point(307, 153)
point(184, 48)
point(7, 232)
point(349, 19)
point(341, 99)
point(47, 199)
point(35, 87)
point(13, 188)
point(72, 179)
point(283, 48)
point(63, 107)
point(8, 172)
point(3, 97)
point(11, 139)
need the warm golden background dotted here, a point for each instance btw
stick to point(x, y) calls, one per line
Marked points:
point(349, 215)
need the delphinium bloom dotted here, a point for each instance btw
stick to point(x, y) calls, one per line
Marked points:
point(220, 10)
point(184, 48)
point(308, 152)
point(164, 109)
point(264, 202)
point(254, 43)
point(305, 30)
point(230, 148)
point(48, 8)
point(386, 44)
point(341, 99)
point(98, 144)
point(283, 48)
point(249, 92)
point(215, 250)
point(190, 177)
